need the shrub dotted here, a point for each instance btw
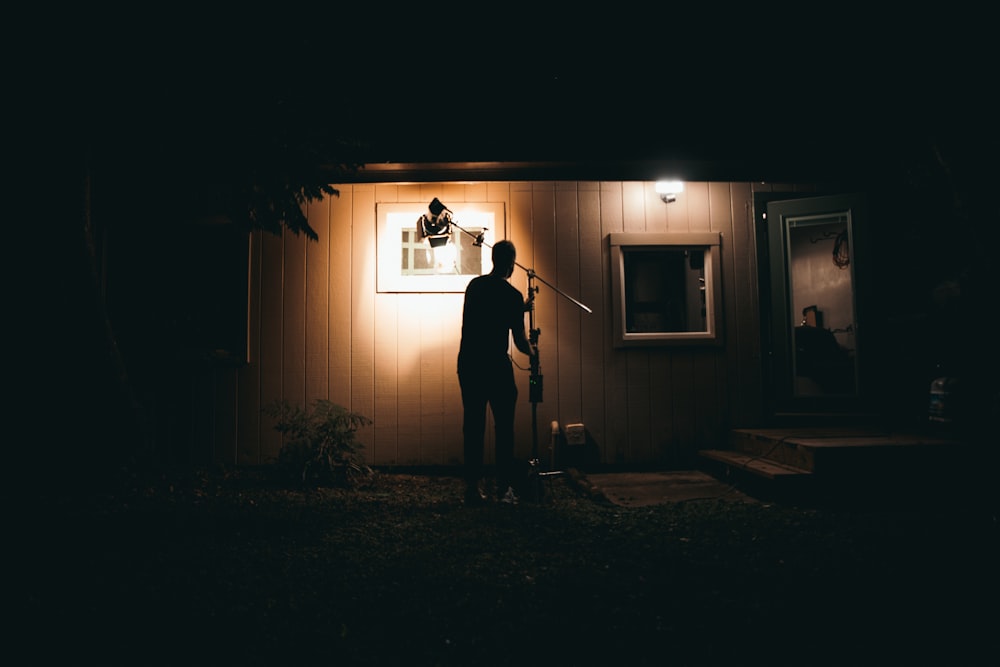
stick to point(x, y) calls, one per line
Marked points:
point(319, 444)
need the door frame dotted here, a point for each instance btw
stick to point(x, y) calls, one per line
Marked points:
point(781, 405)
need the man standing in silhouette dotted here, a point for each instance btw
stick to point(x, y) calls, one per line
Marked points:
point(494, 309)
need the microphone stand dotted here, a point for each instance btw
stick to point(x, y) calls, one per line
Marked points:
point(535, 488)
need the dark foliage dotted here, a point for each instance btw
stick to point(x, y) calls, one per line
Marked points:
point(319, 447)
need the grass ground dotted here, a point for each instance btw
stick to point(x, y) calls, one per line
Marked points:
point(205, 569)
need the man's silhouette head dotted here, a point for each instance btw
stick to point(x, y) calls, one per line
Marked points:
point(504, 255)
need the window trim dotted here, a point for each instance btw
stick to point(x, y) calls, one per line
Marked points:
point(709, 243)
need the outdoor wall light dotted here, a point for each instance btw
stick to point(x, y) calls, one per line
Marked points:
point(668, 190)
point(435, 225)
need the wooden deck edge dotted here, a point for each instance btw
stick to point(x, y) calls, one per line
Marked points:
point(759, 466)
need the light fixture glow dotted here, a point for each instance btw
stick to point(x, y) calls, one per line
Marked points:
point(445, 257)
point(668, 190)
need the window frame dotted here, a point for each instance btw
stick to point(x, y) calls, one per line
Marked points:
point(708, 243)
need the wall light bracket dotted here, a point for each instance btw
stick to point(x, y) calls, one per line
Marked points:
point(435, 225)
point(668, 190)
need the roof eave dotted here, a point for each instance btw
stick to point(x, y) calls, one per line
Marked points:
point(638, 170)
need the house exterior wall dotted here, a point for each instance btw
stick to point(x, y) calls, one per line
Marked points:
point(319, 329)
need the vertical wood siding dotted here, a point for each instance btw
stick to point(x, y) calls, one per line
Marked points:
point(319, 329)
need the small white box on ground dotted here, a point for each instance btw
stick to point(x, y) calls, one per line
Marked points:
point(576, 434)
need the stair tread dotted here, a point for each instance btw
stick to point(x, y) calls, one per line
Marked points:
point(762, 466)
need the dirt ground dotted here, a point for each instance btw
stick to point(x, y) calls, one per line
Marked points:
point(228, 569)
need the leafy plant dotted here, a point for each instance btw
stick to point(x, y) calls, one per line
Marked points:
point(320, 445)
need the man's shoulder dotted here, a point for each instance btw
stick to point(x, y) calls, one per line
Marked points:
point(491, 281)
point(479, 282)
point(496, 286)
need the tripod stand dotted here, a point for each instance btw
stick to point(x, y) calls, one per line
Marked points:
point(536, 476)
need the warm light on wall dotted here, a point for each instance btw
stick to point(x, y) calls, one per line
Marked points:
point(445, 256)
point(668, 190)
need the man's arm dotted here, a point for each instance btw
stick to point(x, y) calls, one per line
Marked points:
point(520, 336)
point(521, 341)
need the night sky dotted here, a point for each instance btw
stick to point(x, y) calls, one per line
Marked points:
point(770, 94)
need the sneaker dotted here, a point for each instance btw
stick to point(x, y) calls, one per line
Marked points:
point(510, 498)
point(474, 498)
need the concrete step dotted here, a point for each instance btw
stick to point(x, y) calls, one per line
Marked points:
point(761, 478)
point(839, 451)
point(791, 446)
point(762, 467)
point(834, 462)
